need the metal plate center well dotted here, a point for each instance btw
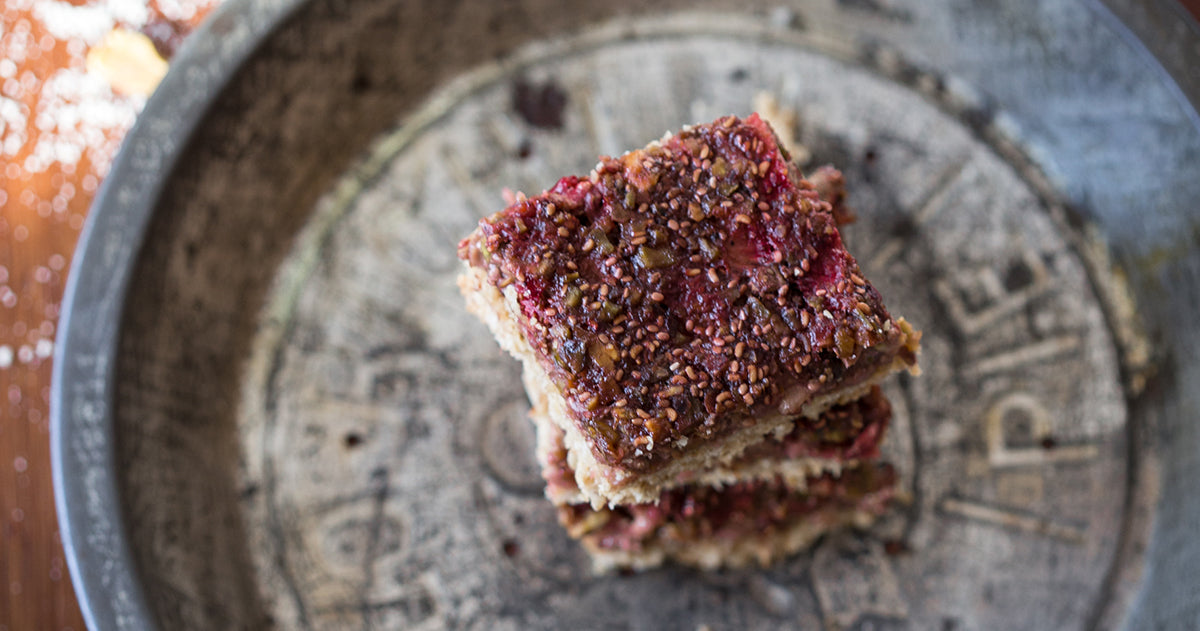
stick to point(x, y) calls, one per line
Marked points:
point(385, 432)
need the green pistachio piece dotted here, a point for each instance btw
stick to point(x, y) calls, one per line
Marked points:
point(653, 258)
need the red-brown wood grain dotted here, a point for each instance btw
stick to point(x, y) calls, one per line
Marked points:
point(54, 150)
point(60, 124)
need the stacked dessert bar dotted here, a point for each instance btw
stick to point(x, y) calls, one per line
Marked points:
point(701, 351)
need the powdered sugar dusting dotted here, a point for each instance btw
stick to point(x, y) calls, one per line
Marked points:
point(65, 21)
point(78, 112)
point(60, 127)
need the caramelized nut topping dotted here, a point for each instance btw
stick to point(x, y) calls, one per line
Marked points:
point(710, 251)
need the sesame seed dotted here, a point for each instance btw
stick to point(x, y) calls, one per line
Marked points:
point(588, 245)
point(712, 275)
point(740, 218)
point(739, 349)
point(657, 296)
point(693, 272)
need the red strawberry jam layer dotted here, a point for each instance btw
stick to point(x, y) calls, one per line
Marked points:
point(851, 431)
point(745, 509)
point(685, 289)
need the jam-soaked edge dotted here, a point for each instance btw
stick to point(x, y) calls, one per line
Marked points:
point(847, 432)
point(751, 508)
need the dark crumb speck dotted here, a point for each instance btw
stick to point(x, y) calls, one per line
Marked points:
point(511, 548)
point(525, 149)
point(352, 440)
point(540, 105)
point(166, 35)
point(895, 547)
point(1049, 442)
point(1018, 276)
point(361, 82)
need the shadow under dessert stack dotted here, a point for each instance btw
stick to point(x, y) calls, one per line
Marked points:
point(701, 351)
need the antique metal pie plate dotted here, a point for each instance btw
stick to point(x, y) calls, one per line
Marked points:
point(271, 409)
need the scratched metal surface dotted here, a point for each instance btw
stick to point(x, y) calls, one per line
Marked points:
point(306, 431)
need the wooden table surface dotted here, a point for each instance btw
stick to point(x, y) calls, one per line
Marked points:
point(73, 76)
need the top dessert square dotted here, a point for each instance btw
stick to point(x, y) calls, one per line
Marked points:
point(685, 289)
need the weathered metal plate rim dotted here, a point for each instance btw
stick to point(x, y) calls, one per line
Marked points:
point(82, 441)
